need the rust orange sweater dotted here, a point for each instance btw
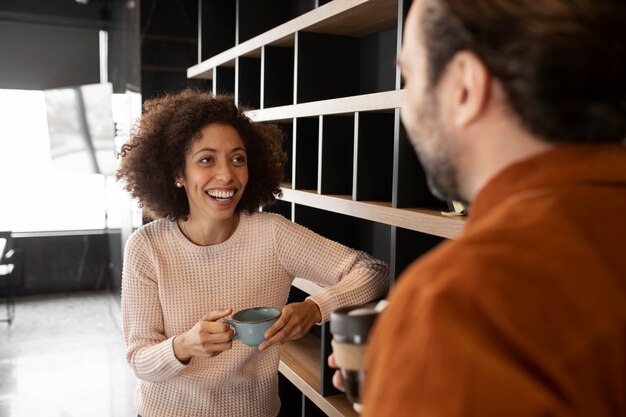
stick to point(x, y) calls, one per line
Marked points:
point(524, 314)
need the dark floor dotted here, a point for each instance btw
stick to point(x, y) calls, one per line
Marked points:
point(63, 356)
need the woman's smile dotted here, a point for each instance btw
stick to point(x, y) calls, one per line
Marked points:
point(223, 197)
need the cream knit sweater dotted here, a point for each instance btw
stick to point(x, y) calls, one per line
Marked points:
point(169, 284)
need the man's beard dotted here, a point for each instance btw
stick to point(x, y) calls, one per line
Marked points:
point(436, 151)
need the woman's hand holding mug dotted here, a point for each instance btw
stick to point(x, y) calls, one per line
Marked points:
point(295, 321)
point(207, 338)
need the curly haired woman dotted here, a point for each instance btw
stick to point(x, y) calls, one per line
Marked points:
point(202, 169)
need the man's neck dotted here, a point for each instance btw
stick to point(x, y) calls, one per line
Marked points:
point(496, 147)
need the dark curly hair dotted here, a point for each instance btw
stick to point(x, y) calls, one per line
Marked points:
point(169, 125)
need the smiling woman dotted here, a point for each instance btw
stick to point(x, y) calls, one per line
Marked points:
point(202, 169)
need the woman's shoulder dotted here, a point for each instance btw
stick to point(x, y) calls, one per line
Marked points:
point(265, 224)
point(268, 219)
point(156, 226)
point(280, 226)
point(154, 230)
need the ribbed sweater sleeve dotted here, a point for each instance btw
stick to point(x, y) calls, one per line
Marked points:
point(150, 354)
point(348, 277)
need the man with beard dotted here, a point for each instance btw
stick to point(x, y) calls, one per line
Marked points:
point(519, 109)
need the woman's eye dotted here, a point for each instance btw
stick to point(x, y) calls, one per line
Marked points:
point(239, 160)
point(207, 160)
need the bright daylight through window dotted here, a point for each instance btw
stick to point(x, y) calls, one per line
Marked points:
point(54, 179)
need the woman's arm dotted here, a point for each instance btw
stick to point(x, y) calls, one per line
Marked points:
point(148, 351)
point(348, 277)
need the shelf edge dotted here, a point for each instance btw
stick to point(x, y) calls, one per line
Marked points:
point(307, 286)
point(386, 100)
point(424, 221)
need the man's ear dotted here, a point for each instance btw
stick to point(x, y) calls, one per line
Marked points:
point(471, 87)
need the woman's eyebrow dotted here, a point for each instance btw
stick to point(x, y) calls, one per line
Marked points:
point(204, 150)
point(237, 149)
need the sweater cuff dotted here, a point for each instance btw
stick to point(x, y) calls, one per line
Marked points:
point(172, 366)
point(157, 363)
point(327, 303)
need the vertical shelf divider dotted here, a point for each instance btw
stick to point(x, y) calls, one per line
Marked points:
point(355, 157)
point(296, 155)
point(326, 372)
point(320, 149)
point(296, 53)
point(237, 70)
point(262, 81)
point(214, 81)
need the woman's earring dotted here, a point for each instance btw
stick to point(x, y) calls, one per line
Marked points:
point(179, 185)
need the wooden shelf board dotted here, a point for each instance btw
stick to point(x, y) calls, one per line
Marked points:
point(385, 101)
point(300, 364)
point(347, 17)
point(307, 286)
point(431, 222)
point(370, 17)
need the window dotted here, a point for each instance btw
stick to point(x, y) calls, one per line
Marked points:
point(35, 195)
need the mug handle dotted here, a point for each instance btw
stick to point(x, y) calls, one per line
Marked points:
point(231, 324)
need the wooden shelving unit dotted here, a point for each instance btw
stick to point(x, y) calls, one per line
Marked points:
point(325, 72)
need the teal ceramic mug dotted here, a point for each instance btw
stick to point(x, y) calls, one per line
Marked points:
point(251, 324)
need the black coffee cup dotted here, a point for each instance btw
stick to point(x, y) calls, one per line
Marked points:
point(350, 328)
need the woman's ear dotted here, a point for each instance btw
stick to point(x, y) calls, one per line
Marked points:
point(179, 179)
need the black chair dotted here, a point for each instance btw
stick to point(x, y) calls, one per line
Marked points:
point(11, 263)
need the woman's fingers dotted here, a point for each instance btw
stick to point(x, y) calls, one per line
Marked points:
point(209, 323)
point(217, 314)
point(214, 342)
point(276, 339)
point(217, 335)
point(213, 349)
point(292, 327)
point(208, 337)
point(279, 333)
point(214, 327)
point(278, 324)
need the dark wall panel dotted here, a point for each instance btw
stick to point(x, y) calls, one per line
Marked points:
point(60, 264)
point(39, 57)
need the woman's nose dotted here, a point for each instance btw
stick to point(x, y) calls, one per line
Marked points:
point(224, 172)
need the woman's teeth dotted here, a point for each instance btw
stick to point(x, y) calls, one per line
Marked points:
point(223, 195)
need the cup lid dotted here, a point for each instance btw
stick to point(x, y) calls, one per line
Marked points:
point(351, 322)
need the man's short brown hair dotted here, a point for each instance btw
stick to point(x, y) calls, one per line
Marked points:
point(562, 63)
